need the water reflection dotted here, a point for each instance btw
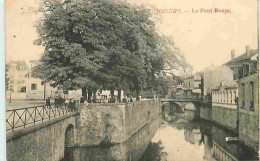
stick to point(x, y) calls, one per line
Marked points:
point(199, 142)
point(177, 140)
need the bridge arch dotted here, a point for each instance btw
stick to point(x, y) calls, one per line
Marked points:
point(178, 106)
point(190, 106)
point(69, 143)
point(69, 136)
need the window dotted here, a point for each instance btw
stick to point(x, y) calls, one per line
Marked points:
point(22, 89)
point(33, 86)
point(243, 94)
point(246, 70)
point(240, 72)
point(253, 67)
point(231, 97)
point(252, 96)
point(227, 96)
point(224, 95)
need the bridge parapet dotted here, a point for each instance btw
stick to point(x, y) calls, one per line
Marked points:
point(182, 100)
point(30, 116)
point(90, 124)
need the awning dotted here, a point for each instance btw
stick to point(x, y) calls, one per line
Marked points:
point(196, 91)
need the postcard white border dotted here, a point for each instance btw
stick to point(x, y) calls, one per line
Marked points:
point(2, 84)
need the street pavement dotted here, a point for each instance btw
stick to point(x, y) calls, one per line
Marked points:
point(16, 104)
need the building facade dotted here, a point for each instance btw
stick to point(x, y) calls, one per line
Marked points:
point(224, 104)
point(192, 86)
point(212, 76)
point(235, 62)
point(248, 102)
point(22, 86)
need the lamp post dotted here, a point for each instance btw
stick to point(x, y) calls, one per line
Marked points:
point(44, 89)
point(11, 90)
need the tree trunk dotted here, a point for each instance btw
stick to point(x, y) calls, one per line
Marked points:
point(84, 92)
point(119, 95)
point(89, 95)
point(94, 94)
point(112, 95)
point(137, 94)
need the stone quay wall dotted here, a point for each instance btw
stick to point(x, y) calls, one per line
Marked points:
point(119, 152)
point(43, 142)
point(91, 124)
point(206, 113)
point(226, 117)
point(113, 123)
point(248, 128)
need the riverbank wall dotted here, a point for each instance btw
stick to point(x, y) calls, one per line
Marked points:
point(133, 148)
point(43, 141)
point(206, 113)
point(113, 123)
point(222, 116)
point(248, 128)
point(225, 117)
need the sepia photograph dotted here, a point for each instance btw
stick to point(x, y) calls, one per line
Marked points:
point(131, 80)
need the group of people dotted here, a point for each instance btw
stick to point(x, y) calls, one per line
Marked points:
point(101, 100)
point(59, 103)
point(82, 100)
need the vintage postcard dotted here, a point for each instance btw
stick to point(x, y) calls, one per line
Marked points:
point(131, 80)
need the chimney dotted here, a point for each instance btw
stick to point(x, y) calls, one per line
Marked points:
point(233, 54)
point(247, 50)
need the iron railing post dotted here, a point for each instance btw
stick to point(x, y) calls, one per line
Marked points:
point(13, 121)
point(25, 118)
point(34, 115)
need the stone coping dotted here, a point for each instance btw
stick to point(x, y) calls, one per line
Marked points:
point(112, 104)
point(21, 132)
point(222, 107)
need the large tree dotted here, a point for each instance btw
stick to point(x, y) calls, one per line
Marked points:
point(98, 44)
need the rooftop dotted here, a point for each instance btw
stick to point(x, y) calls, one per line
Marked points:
point(243, 57)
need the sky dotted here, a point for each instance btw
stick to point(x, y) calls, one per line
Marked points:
point(205, 38)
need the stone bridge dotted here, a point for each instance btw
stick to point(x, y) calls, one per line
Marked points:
point(88, 125)
point(182, 105)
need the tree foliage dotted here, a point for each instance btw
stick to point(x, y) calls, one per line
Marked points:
point(98, 44)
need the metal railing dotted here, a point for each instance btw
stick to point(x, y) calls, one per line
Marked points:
point(23, 117)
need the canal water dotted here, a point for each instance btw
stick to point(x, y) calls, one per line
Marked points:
point(175, 140)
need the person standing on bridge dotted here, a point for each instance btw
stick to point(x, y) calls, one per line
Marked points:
point(48, 102)
point(82, 99)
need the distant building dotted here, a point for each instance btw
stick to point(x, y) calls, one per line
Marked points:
point(225, 95)
point(21, 85)
point(178, 91)
point(193, 86)
point(236, 62)
point(248, 102)
point(212, 77)
point(193, 82)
